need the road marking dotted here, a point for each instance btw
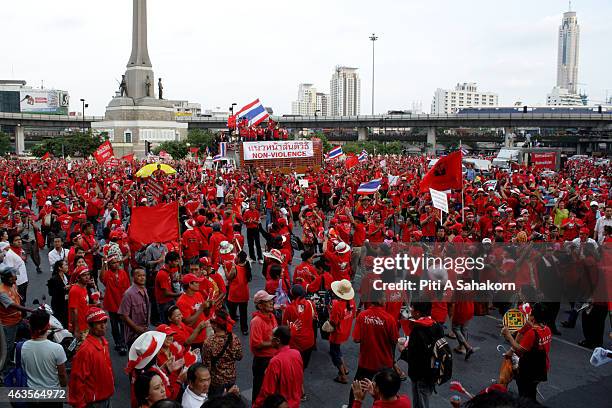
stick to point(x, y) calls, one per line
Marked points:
point(569, 343)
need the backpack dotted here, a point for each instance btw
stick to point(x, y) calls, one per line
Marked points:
point(441, 362)
point(141, 256)
point(441, 356)
point(16, 377)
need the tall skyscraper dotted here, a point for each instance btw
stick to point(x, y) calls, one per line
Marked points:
point(345, 92)
point(567, 60)
point(306, 103)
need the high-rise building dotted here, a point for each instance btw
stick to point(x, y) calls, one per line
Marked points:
point(464, 95)
point(567, 59)
point(562, 97)
point(323, 104)
point(345, 92)
point(306, 103)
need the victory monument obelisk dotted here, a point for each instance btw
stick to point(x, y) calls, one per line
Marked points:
point(134, 115)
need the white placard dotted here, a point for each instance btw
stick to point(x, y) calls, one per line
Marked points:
point(277, 150)
point(303, 183)
point(439, 199)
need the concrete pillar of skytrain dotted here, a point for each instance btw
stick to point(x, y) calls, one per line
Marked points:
point(19, 139)
point(431, 140)
point(362, 134)
point(508, 137)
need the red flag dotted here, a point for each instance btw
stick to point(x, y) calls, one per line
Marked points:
point(457, 386)
point(46, 156)
point(154, 224)
point(445, 174)
point(128, 157)
point(104, 152)
point(351, 161)
point(231, 122)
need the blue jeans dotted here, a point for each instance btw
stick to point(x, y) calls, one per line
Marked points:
point(10, 332)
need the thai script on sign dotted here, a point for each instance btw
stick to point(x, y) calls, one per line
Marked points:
point(277, 150)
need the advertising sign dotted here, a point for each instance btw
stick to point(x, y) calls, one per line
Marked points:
point(278, 150)
point(44, 101)
point(543, 160)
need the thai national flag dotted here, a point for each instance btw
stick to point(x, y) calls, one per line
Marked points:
point(363, 156)
point(369, 187)
point(335, 153)
point(254, 112)
point(464, 151)
point(217, 158)
point(222, 149)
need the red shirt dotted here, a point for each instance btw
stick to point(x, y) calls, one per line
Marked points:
point(189, 305)
point(163, 281)
point(359, 235)
point(342, 319)
point(115, 285)
point(239, 286)
point(544, 336)
point(91, 378)
point(251, 217)
point(377, 333)
point(182, 332)
point(77, 299)
point(284, 376)
point(192, 242)
point(262, 326)
point(301, 310)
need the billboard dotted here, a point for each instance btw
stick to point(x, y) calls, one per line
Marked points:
point(44, 101)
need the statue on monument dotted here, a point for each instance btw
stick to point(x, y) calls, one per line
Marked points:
point(123, 86)
point(160, 88)
point(148, 86)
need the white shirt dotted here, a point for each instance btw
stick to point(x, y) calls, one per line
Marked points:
point(13, 260)
point(55, 256)
point(193, 400)
point(601, 223)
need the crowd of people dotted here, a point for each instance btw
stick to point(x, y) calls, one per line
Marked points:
point(179, 310)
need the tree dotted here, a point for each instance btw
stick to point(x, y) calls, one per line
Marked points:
point(5, 144)
point(201, 139)
point(178, 150)
point(324, 141)
point(77, 145)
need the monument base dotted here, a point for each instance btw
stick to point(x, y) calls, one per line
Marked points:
point(130, 122)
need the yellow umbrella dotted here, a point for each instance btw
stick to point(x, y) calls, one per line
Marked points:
point(149, 169)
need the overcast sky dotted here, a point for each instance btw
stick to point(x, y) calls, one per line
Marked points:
point(216, 53)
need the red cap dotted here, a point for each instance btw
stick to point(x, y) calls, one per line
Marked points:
point(205, 261)
point(95, 314)
point(499, 228)
point(80, 270)
point(167, 330)
point(584, 230)
point(190, 277)
point(200, 219)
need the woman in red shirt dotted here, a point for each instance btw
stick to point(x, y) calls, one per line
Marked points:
point(341, 315)
point(184, 335)
point(238, 291)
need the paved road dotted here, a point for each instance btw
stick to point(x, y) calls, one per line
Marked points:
point(573, 382)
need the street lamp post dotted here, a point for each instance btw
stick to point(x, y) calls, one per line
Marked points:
point(85, 105)
point(373, 38)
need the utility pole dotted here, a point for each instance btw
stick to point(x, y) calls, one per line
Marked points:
point(373, 38)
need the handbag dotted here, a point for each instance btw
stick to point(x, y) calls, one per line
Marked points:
point(327, 327)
